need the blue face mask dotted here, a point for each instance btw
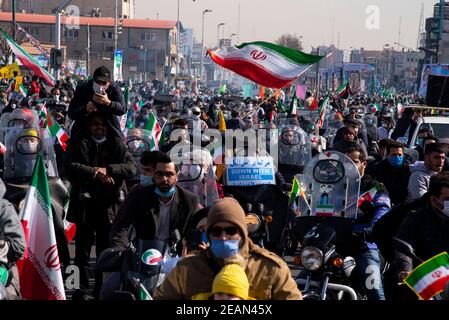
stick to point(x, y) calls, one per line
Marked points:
point(146, 180)
point(165, 194)
point(204, 237)
point(396, 161)
point(419, 142)
point(224, 248)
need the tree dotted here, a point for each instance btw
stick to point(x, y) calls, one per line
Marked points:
point(291, 41)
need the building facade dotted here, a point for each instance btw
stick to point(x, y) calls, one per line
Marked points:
point(149, 46)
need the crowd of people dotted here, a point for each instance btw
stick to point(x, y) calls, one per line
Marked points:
point(118, 194)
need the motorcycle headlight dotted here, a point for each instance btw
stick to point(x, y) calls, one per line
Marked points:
point(311, 258)
point(253, 222)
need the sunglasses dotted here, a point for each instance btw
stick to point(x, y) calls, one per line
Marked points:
point(217, 231)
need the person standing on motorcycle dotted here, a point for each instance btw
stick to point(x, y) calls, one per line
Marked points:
point(370, 210)
point(268, 275)
point(97, 167)
point(99, 94)
point(427, 229)
point(11, 232)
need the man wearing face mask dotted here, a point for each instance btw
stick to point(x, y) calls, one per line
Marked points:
point(427, 229)
point(97, 167)
point(434, 157)
point(195, 120)
point(98, 94)
point(384, 132)
point(155, 210)
point(269, 276)
point(393, 172)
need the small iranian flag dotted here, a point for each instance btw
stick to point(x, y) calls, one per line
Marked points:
point(323, 108)
point(430, 277)
point(56, 130)
point(267, 64)
point(40, 269)
point(296, 189)
point(155, 129)
point(344, 91)
point(369, 195)
point(376, 107)
point(293, 105)
point(23, 91)
point(11, 87)
point(143, 293)
point(27, 60)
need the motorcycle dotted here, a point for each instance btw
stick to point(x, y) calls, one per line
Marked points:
point(143, 266)
point(137, 141)
point(324, 227)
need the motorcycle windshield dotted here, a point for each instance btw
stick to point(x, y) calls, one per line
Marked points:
point(294, 146)
point(138, 141)
point(197, 175)
point(22, 149)
point(330, 186)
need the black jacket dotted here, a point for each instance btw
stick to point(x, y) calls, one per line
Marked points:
point(141, 208)
point(394, 179)
point(83, 94)
point(427, 231)
point(88, 196)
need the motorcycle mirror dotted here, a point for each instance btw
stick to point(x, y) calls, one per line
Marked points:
point(260, 208)
point(248, 207)
point(405, 248)
point(176, 236)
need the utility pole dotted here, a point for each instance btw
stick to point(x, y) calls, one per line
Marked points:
point(58, 11)
point(202, 45)
point(442, 2)
point(178, 31)
point(88, 50)
point(14, 26)
point(115, 29)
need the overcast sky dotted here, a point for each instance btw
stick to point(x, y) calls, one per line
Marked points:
point(312, 19)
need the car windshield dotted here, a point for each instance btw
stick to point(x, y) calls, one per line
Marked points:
point(439, 130)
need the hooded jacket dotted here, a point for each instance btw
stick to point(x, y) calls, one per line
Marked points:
point(418, 183)
point(268, 275)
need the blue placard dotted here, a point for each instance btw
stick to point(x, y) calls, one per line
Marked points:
point(250, 171)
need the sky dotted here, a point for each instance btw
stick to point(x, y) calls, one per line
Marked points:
point(355, 23)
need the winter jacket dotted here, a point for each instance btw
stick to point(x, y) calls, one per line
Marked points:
point(395, 179)
point(268, 275)
point(419, 180)
point(427, 231)
point(88, 196)
point(370, 211)
point(141, 209)
point(83, 95)
point(11, 228)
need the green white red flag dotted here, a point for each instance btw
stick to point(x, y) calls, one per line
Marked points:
point(430, 277)
point(267, 64)
point(323, 108)
point(369, 195)
point(40, 270)
point(155, 129)
point(27, 60)
point(55, 129)
point(344, 91)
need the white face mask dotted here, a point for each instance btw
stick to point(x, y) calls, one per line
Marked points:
point(29, 147)
point(134, 145)
point(99, 141)
point(56, 97)
point(445, 209)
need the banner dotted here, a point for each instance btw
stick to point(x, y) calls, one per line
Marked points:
point(431, 69)
point(250, 171)
point(118, 60)
point(8, 71)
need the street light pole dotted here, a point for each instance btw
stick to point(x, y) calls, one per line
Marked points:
point(177, 42)
point(202, 45)
point(115, 29)
point(218, 32)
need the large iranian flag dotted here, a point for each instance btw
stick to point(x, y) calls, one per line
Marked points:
point(27, 60)
point(39, 270)
point(155, 129)
point(265, 63)
point(430, 277)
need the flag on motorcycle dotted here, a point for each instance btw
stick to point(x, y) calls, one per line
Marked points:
point(27, 60)
point(143, 293)
point(281, 107)
point(296, 189)
point(69, 227)
point(155, 129)
point(56, 130)
point(40, 270)
point(293, 105)
point(369, 195)
point(265, 63)
point(430, 277)
point(323, 108)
